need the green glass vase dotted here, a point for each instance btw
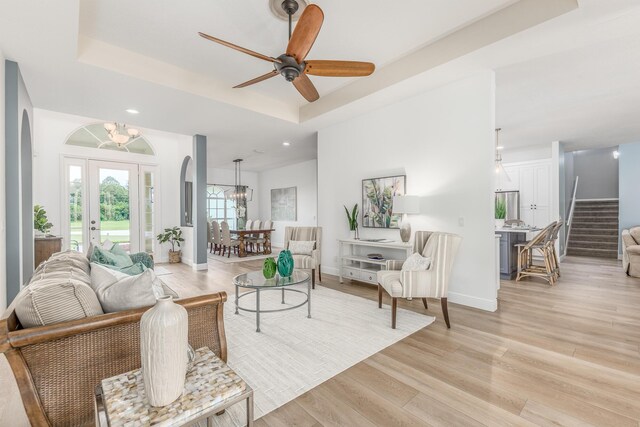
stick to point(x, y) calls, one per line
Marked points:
point(285, 263)
point(269, 268)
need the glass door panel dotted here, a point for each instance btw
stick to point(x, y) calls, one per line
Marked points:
point(113, 208)
point(148, 207)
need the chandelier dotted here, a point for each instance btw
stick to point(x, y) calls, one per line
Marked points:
point(120, 134)
point(239, 192)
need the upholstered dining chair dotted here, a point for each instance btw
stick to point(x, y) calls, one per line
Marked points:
point(308, 260)
point(209, 237)
point(251, 239)
point(261, 240)
point(216, 237)
point(431, 283)
point(227, 242)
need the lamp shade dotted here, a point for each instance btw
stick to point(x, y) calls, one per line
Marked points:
point(406, 204)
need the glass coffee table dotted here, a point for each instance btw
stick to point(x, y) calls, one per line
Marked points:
point(255, 280)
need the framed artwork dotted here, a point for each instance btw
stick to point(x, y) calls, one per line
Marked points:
point(284, 204)
point(377, 201)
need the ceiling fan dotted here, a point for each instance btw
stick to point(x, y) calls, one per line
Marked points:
point(292, 65)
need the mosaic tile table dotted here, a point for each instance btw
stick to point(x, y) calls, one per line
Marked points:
point(211, 387)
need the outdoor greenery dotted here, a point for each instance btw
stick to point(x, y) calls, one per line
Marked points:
point(501, 209)
point(40, 220)
point(114, 200)
point(352, 217)
point(171, 235)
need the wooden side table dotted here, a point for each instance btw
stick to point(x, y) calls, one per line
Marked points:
point(210, 388)
point(45, 247)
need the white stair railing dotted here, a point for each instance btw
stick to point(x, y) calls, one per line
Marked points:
point(572, 209)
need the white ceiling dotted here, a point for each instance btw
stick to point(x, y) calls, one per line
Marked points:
point(569, 79)
point(377, 31)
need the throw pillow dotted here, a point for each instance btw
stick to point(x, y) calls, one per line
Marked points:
point(118, 291)
point(131, 270)
point(301, 247)
point(416, 262)
point(117, 258)
point(57, 297)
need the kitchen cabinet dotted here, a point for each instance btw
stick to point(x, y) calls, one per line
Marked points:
point(533, 181)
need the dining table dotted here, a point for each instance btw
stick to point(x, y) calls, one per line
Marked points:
point(242, 236)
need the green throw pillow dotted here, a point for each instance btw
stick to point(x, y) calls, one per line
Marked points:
point(115, 257)
point(131, 270)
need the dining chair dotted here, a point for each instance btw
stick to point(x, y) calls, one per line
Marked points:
point(261, 240)
point(227, 242)
point(209, 237)
point(252, 239)
point(216, 237)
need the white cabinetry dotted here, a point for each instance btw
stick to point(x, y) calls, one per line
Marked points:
point(533, 180)
point(355, 265)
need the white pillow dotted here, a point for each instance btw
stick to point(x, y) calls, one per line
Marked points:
point(118, 291)
point(301, 247)
point(416, 262)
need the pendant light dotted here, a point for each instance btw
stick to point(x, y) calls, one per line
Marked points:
point(239, 192)
point(500, 171)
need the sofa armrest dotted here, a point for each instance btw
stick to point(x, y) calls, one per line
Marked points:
point(394, 264)
point(58, 366)
point(633, 250)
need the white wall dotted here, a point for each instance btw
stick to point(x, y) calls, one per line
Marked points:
point(3, 230)
point(226, 177)
point(304, 176)
point(629, 214)
point(443, 140)
point(526, 154)
point(51, 129)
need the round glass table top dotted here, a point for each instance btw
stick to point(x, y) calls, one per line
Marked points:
point(256, 279)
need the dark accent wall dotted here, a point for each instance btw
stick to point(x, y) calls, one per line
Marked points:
point(18, 180)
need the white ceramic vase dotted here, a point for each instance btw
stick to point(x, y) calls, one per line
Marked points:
point(163, 348)
point(499, 223)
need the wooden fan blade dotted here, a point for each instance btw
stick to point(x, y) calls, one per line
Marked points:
point(306, 88)
point(305, 33)
point(339, 68)
point(257, 79)
point(239, 48)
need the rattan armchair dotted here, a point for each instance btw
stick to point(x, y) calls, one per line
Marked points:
point(58, 366)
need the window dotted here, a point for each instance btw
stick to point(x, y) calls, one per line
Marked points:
point(220, 208)
point(95, 136)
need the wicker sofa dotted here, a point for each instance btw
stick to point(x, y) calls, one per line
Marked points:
point(58, 366)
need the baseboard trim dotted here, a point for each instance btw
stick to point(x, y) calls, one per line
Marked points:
point(462, 299)
point(475, 302)
point(200, 267)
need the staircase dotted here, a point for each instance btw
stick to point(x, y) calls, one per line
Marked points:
point(594, 231)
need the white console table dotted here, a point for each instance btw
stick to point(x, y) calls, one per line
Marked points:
point(355, 265)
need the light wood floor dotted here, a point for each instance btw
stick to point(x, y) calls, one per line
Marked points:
point(563, 355)
point(567, 355)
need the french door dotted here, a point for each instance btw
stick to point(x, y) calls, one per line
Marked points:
point(113, 204)
point(119, 206)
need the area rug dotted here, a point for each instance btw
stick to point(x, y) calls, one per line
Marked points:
point(293, 354)
point(235, 258)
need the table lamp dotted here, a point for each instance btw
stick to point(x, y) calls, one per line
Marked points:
point(406, 205)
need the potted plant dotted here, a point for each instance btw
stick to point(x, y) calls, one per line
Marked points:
point(40, 221)
point(352, 218)
point(173, 236)
point(501, 213)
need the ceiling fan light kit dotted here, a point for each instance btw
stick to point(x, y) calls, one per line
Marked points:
point(292, 65)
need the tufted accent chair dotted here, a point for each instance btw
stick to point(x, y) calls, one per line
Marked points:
point(306, 262)
point(432, 283)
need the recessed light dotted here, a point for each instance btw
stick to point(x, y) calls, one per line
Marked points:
point(499, 147)
point(286, 143)
point(132, 111)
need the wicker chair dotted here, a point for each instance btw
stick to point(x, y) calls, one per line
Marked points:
point(542, 244)
point(57, 367)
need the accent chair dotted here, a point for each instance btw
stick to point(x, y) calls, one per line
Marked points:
point(431, 283)
point(306, 261)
